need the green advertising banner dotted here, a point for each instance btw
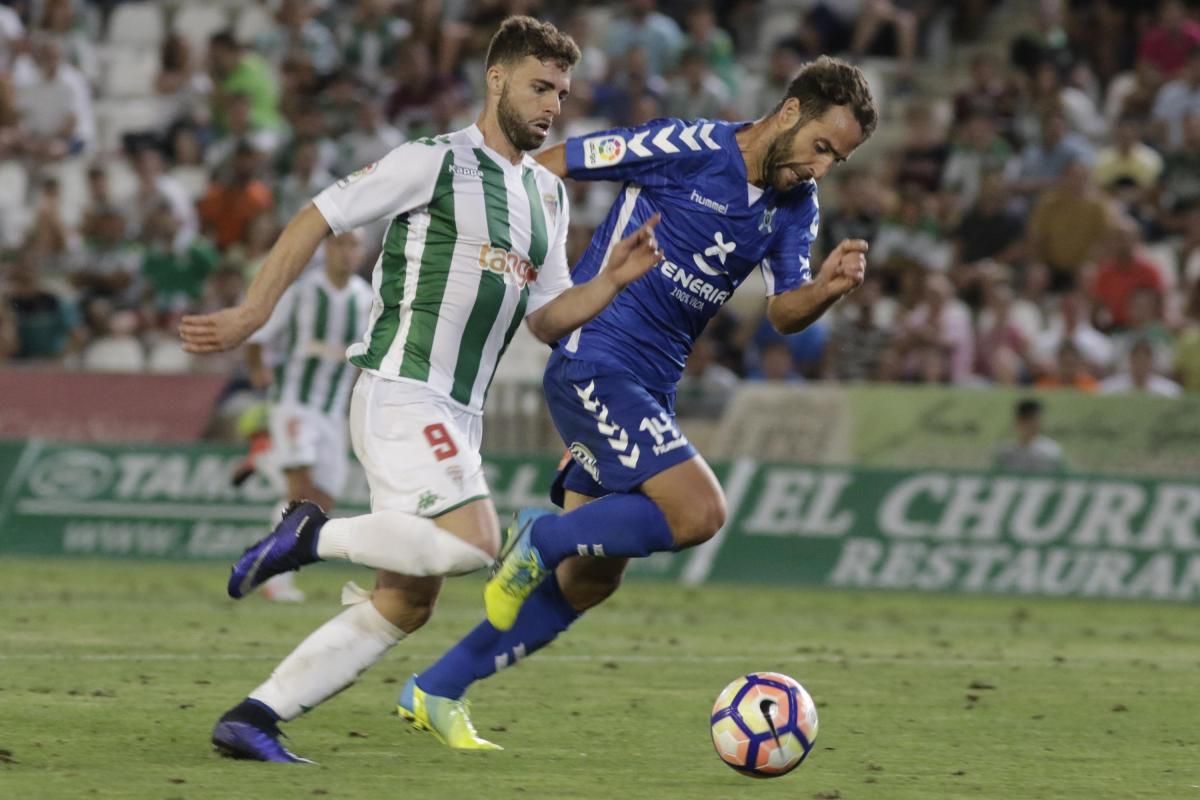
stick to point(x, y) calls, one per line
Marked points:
point(939, 530)
point(152, 501)
point(926, 529)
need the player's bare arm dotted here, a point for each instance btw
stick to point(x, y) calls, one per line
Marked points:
point(842, 272)
point(225, 329)
point(554, 159)
point(631, 258)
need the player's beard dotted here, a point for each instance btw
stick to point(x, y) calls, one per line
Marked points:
point(778, 152)
point(511, 124)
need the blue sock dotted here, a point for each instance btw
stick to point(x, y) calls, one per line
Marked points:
point(256, 712)
point(486, 650)
point(617, 526)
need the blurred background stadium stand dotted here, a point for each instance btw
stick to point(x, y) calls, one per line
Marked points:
point(1032, 199)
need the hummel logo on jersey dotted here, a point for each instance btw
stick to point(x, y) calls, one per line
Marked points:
point(719, 250)
point(711, 205)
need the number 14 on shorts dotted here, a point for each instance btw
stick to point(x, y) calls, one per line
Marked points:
point(666, 433)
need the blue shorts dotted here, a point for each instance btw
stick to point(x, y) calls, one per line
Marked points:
point(618, 432)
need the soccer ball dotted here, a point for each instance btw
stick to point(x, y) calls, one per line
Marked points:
point(764, 724)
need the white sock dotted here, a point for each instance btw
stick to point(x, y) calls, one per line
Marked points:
point(399, 542)
point(329, 660)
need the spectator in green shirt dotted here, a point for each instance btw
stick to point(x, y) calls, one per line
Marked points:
point(236, 71)
point(175, 275)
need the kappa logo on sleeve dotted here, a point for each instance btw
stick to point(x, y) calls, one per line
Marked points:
point(603, 151)
point(465, 171)
point(359, 173)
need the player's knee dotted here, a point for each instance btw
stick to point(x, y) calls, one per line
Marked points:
point(418, 614)
point(408, 611)
point(699, 520)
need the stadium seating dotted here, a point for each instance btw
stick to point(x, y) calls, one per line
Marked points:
point(137, 24)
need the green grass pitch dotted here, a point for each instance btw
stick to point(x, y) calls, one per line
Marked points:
point(111, 675)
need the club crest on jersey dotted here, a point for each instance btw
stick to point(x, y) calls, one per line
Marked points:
point(550, 201)
point(506, 263)
point(767, 224)
point(586, 459)
point(603, 151)
point(358, 173)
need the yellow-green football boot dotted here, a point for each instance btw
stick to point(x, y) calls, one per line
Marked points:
point(446, 719)
point(518, 572)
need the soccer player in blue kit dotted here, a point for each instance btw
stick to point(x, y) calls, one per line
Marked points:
point(733, 197)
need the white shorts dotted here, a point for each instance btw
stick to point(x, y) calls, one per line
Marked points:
point(304, 437)
point(419, 449)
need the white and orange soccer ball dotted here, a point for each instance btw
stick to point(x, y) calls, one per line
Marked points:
point(764, 724)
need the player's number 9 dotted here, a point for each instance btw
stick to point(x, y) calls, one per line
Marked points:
point(439, 440)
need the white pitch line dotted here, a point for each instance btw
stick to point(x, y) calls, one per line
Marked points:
point(637, 658)
point(92, 509)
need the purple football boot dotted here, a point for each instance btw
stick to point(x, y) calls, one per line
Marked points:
point(235, 736)
point(290, 546)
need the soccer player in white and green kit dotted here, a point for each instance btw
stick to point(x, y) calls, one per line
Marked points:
point(477, 243)
point(299, 357)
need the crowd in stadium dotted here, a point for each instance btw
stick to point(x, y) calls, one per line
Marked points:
point(1033, 205)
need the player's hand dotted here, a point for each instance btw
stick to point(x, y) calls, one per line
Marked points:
point(635, 255)
point(221, 330)
point(845, 268)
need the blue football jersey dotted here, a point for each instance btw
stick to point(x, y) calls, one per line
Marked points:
point(712, 233)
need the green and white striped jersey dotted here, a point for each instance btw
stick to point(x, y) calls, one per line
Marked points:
point(475, 244)
point(306, 339)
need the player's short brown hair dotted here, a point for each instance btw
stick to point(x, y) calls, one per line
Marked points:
point(525, 36)
point(828, 82)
